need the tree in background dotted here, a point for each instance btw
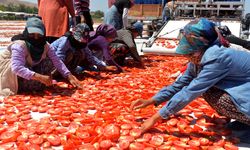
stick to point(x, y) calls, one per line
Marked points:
point(19, 8)
point(97, 15)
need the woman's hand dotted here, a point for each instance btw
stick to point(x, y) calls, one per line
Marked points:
point(47, 80)
point(110, 68)
point(140, 103)
point(74, 81)
point(150, 122)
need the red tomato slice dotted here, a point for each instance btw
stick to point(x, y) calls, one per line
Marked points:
point(204, 141)
point(86, 147)
point(172, 122)
point(36, 140)
point(229, 146)
point(157, 140)
point(33, 147)
point(194, 143)
point(135, 132)
point(99, 130)
point(129, 138)
point(219, 143)
point(6, 146)
point(124, 132)
point(25, 117)
point(124, 144)
point(136, 146)
point(164, 147)
point(54, 140)
point(46, 144)
point(22, 138)
point(126, 126)
point(2, 129)
point(106, 144)
point(9, 136)
point(147, 136)
point(112, 132)
point(181, 144)
point(215, 148)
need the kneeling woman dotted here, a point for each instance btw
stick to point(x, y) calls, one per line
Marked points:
point(24, 66)
point(73, 51)
point(220, 74)
point(99, 43)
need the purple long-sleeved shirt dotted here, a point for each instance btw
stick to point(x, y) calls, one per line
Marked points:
point(101, 44)
point(18, 60)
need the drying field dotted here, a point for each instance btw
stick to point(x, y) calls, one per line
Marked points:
point(99, 115)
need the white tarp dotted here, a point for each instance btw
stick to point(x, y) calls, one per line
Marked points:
point(171, 31)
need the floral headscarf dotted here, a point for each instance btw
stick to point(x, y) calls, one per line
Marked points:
point(199, 35)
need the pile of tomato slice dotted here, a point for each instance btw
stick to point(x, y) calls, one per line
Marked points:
point(167, 43)
point(99, 116)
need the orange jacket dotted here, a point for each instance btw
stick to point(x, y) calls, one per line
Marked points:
point(55, 16)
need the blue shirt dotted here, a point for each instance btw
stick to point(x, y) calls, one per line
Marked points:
point(225, 68)
point(62, 46)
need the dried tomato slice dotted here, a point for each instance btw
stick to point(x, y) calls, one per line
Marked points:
point(194, 143)
point(36, 140)
point(204, 141)
point(9, 136)
point(129, 138)
point(181, 144)
point(229, 146)
point(135, 132)
point(124, 144)
point(22, 138)
point(106, 144)
point(172, 122)
point(157, 140)
point(46, 144)
point(126, 126)
point(86, 147)
point(6, 146)
point(136, 146)
point(112, 132)
point(215, 148)
point(54, 140)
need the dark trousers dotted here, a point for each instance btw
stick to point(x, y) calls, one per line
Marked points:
point(88, 19)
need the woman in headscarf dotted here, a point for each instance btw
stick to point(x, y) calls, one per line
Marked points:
point(125, 46)
point(24, 66)
point(117, 14)
point(99, 43)
point(218, 73)
point(73, 51)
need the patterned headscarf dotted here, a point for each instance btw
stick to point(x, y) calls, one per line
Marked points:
point(198, 35)
point(81, 32)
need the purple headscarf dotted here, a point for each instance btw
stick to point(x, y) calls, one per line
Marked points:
point(105, 30)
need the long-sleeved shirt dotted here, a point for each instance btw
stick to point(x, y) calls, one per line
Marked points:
point(127, 37)
point(101, 44)
point(18, 62)
point(81, 6)
point(225, 68)
point(62, 46)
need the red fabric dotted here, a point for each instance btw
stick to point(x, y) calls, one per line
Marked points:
point(55, 16)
